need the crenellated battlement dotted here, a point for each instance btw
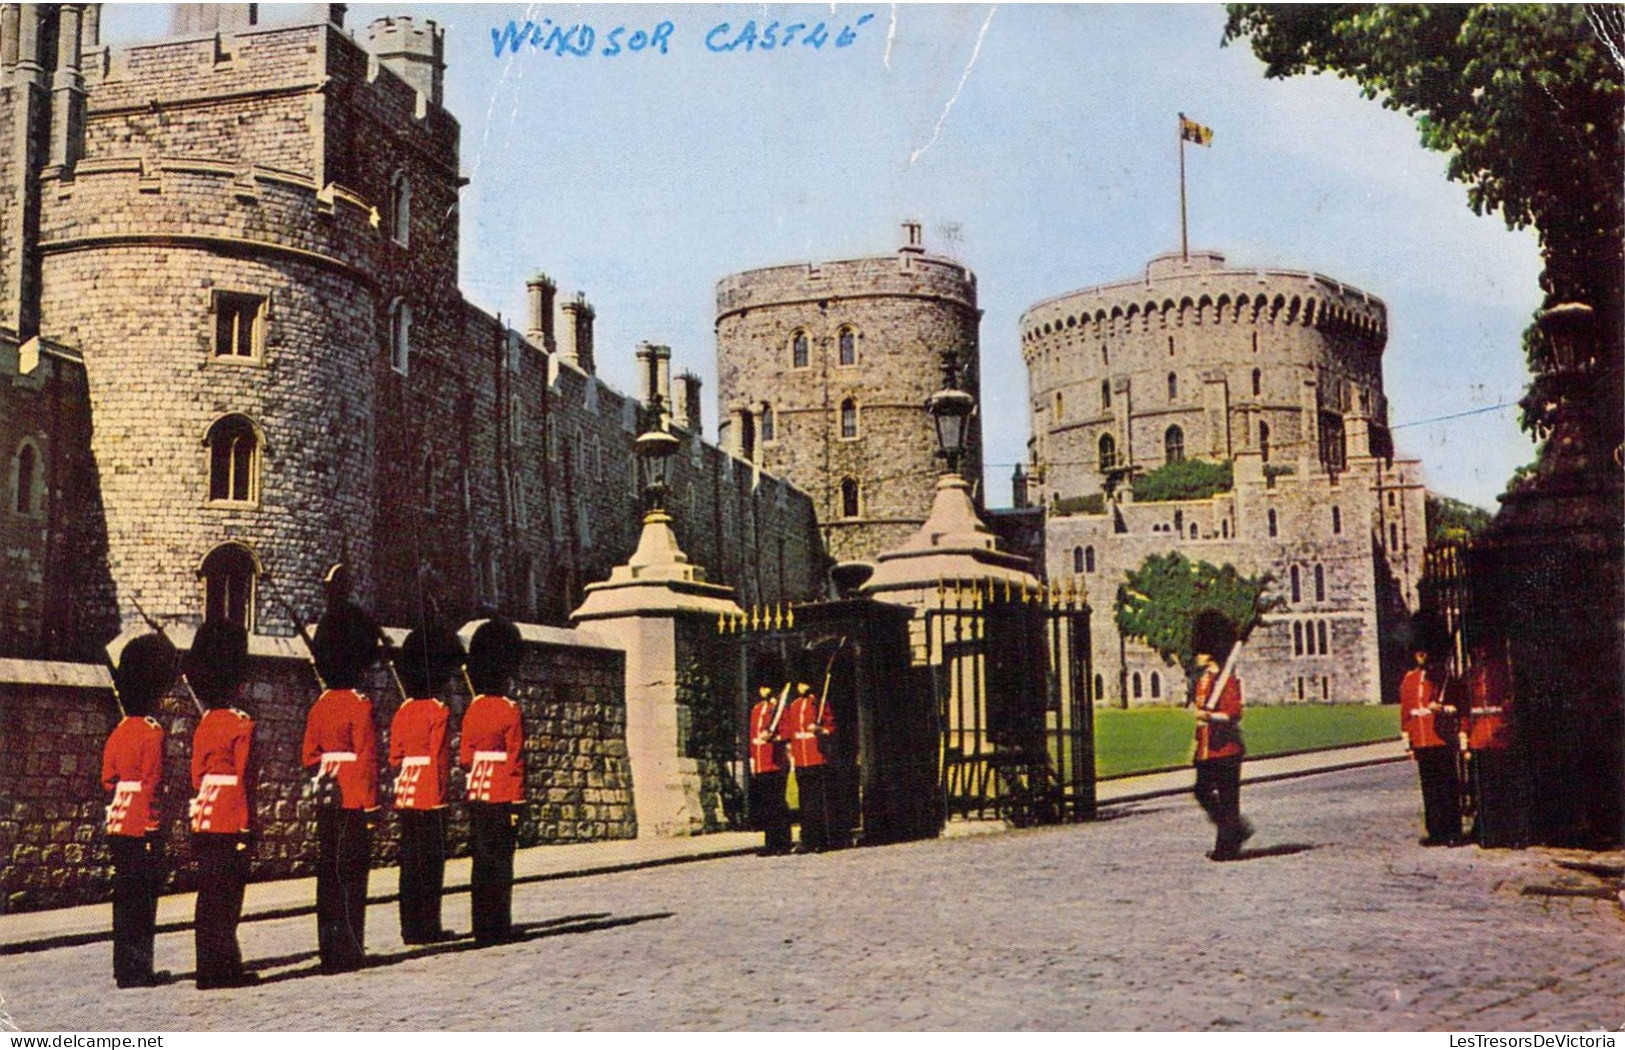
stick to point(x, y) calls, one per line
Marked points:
point(909, 273)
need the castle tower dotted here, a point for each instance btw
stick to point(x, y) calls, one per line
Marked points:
point(823, 372)
point(415, 53)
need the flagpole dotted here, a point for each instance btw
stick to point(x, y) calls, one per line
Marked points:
point(1184, 239)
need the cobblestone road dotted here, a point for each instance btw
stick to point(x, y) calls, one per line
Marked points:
point(1337, 920)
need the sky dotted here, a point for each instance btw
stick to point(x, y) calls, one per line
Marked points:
point(1037, 145)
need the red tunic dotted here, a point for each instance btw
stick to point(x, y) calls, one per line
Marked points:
point(492, 750)
point(768, 753)
point(1220, 735)
point(341, 739)
point(220, 753)
point(1489, 694)
point(806, 730)
point(420, 747)
point(1421, 711)
point(132, 769)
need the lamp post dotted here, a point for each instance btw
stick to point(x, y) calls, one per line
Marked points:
point(654, 449)
point(951, 409)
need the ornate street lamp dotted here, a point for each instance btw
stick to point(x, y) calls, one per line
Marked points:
point(654, 449)
point(951, 409)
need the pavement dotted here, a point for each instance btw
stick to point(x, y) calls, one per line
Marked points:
point(1335, 919)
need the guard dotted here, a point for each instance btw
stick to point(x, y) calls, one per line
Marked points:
point(492, 750)
point(341, 754)
point(1219, 748)
point(420, 752)
point(810, 726)
point(133, 770)
point(770, 757)
point(222, 811)
point(1427, 717)
point(1497, 779)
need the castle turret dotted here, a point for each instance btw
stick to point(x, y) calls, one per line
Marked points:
point(414, 52)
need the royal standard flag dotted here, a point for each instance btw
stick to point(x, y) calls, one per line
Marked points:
point(1191, 131)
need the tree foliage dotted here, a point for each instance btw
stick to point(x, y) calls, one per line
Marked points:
point(1158, 602)
point(1452, 520)
point(1526, 100)
point(1184, 479)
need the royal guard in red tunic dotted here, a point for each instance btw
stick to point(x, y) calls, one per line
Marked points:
point(1497, 777)
point(133, 770)
point(222, 810)
point(770, 756)
point(1427, 716)
point(341, 750)
point(492, 750)
point(1219, 748)
point(810, 726)
point(420, 752)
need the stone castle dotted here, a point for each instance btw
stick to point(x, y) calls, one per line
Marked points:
point(1277, 374)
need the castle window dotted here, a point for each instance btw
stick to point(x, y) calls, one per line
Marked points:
point(1138, 689)
point(1108, 453)
point(1179, 521)
point(1170, 346)
point(1173, 387)
point(1100, 687)
point(239, 325)
point(1297, 589)
point(1258, 382)
point(228, 574)
point(516, 420)
point(1325, 687)
point(1156, 685)
point(1059, 407)
point(399, 207)
point(1320, 583)
point(1264, 441)
point(1077, 559)
point(849, 418)
point(1105, 356)
point(1105, 394)
point(1300, 687)
point(1297, 648)
point(1337, 521)
point(1255, 342)
point(1224, 528)
point(1320, 636)
point(849, 497)
point(1273, 527)
point(848, 343)
point(400, 335)
point(1088, 559)
point(25, 481)
point(798, 350)
point(767, 423)
point(1193, 530)
point(1393, 537)
point(234, 452)
point(1173, 444)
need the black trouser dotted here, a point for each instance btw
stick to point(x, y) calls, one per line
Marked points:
point(1498, 788)
point(423, 873)
point(769, 809)
point(1218, 791)
point(138, 875)
point(494, 829)
point(1441, 794)
point(222, 873)
point(813, 789)
point(341, 887)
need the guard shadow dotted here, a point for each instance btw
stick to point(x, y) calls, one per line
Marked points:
point(1285, 849)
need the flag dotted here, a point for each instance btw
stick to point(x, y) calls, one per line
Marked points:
point(1190, 131)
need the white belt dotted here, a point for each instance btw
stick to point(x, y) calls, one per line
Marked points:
point(490, 756)
point(414, 760)
point(338, 756)
point(1421, 712)
point(128, 787)
point(805, 736)
point(1486, 710)
point(218, 780)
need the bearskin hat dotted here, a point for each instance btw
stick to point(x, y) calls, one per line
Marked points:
point(767, 670)
point(807, 665)
point(1212, 633)
point(429, 656)
point(345, 646)
point(217, 663)
point(146, 669)
point(1428, 634)
point(494, 654)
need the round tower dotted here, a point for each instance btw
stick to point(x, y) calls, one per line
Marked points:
point(824, 370)
point(1199, 360)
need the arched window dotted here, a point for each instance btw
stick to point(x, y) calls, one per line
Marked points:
point(1297, 642)
point(1100, 687)
point(848, 343)
point(1179, 521)
point(849, 497)
point(1156, 685)
point(1060, 407)
point(1309, 638)
point(1105, 394)
point(1173, 387)
point(767, 423)
point(400, 207)
point(1273, 529)
point(1337, 521)
point(1320, 636)
point(1258, 382)
point(1224, 527)
point(1173, 445)
point(1137, 685)
point(1320, 584)
point(1393, 536)
point(798, 350)
point(1264, 441)
point(400, 335)
point(1193, 530)
point(1170, 346)
point(234, 460)
point(228, 574)
point(24, 479)
point(849, 418)
point(1297, 589)
point(1077, 559)
point(1088, 559)
point(1108, 452)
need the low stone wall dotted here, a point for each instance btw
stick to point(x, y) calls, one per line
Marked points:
point(54, 719)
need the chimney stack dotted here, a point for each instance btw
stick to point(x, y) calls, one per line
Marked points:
point(539, 325)
point(686, 408)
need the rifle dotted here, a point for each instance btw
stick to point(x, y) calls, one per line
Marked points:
point(298, 623)
point(829, 669)
point(1225, 674)
point(158, 628)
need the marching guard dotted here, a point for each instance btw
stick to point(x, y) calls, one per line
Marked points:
point(1497, 781)
point(222, 812)
point(133, 769)
point(770, 757)
point(420, 752)
point(810, 727)
point(1219, 748)
point(1427, 717)
point(341, 752)
point(492, 750)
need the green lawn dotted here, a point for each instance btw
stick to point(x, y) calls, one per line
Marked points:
point(1158, 737)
